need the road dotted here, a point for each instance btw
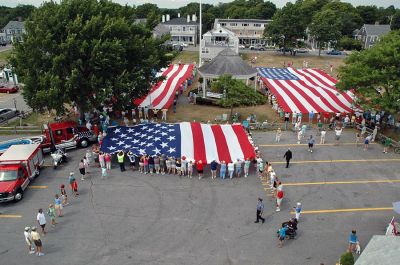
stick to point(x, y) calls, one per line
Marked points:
point(131, 218)
point(5, 48)
point(12, 100)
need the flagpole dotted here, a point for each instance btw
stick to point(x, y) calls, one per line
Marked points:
point(200, 33)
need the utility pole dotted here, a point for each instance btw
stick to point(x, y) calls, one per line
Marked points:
point(200, 34)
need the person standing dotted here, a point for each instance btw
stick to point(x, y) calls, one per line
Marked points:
point(157, 164)
point(64, 196)
point(294, 117)
point(71, 179)
point(299, 136)
point(353, 240)
point(190, 169)
point(311, 117)
point(51, 212)
point(288, 155)
point(28, 239)
point(82, 169)
point(222, 170)
point(200, 168)
point(213, 166)
point(231, 169)
point(74, 186)
point(121, 162)
point(107, 159)
point(184, 164)
point(86, 164)
point(278, 135)
point(58, 205)
point(287, 117)
point(178, 166)
point(260, 210)
point(238, 166)
point(162, 164)
point(386, 145)
point(37, 241)
point(311, 142)
point(131, 158)
point(164, 114)
point(102, 160)
point(151, 164)
point(323, 134)
point(297, 211)
point(41, 219)
point(279, 197)
point(338, 133)
point(246, 167)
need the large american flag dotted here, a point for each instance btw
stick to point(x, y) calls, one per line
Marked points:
point(161, 96)
point(194, 140)
point(306, 90)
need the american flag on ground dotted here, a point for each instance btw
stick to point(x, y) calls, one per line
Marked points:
point(194, 140)
point(306, 90)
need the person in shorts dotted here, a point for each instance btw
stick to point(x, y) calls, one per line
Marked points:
point(184, 163)
point(141, 164)
point(200, 168)
point(37, 241)
point(157, 164)
point(28, 239)
point(168, 165)
point(178, 166)
point(82, 169)
point(151, 164)
point(41, 219)
point(282, 236)
point(173, 165)
point(311, 142)
point(338, 133)
point(162, 164)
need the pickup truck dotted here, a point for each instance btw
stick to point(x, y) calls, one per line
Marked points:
point(19, 165)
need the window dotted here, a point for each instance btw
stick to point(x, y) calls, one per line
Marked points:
point(70, 130)
point(245, 25)
point(223, 24)
point(257, 25)
point(233, 24)
point(204, 50)
point(191, 39)
point(20, 173)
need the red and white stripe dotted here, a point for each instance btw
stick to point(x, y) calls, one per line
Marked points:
point(161, 96)
point(315, 91)
point(208, 142)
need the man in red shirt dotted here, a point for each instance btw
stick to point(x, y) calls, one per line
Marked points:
point(279, 197)
point(326, 117)
point(200, 168)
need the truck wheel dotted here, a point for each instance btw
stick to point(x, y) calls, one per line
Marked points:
point(19, 195)
point(84, 142)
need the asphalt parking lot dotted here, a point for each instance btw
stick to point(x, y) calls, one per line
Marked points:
point(130, 218)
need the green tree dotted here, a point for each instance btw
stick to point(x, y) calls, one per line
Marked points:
point(236, 93)
point(310, 7)
point(325, 28)
point(374, 74)
point(287, 26)
point(369, 14)
point(395, 25)
point(8, 13)
point(349, 44)
point(143, 11)
point(348, 15)
point(153, 19)
point(85, 52)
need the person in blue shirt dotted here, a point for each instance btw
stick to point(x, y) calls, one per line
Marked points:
point(214, 166)
point(311, 142)
point(282, 235)
point(353, 240)
point(260, 209)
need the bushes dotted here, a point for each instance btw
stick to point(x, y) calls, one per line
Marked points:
point(347, 259)
point(349, 44)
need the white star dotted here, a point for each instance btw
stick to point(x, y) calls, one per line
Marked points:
point(135, 141)
point(164, 134)
point(163, 145)
point(157, 139)
point(171, 138)
point(149, 144)
point(128, 138)
point(112, 148)
point(127, 146)
point(155, 132)
point(150, 136)
point(142, 143)
point(141, 151)
point(164, 127)
point(170, 125)
point(120, 143)
point(157, 151)
point(114, 139)
point(143, 135)
point(157, 125)
point(131, 130)
point(136, 134)
point(143, 128)
point(170, 130)
point(123, 135)
point(117, 130)
point(150, 130)
point(171, 150)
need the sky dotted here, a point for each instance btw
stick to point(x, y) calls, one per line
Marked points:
point(179, 3)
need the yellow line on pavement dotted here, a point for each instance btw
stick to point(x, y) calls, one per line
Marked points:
point(347, 210)
point(339, 161)
point(289, 145)
point(10, 216)
point(342, 182)
point(37, 187)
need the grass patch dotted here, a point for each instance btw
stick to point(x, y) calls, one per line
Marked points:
point(187, 57)
point(4, 56)
point(33, 119)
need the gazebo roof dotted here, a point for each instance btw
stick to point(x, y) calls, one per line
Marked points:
point(227, 62)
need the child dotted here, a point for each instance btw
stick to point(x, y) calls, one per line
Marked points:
point(58, 205)
point(88, 156)
point(358, 138)
point(297, 211)
point(162, 164)
point(28, 240)
point(74, 186)
point(168, 163)
point(190, 169)
point(178, 166)
point(71, 179)
point(246, 167)
point(146, 164)
point(103, 172)
point(184, 165)
point(107, 159)
point(82, 169)
point(51, 212)
point(231, 169)
point(141, 164)
point(64, 197)
point(86, 164)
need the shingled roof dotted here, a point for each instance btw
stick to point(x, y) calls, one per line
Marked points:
point(376, 30)
point(227, 62)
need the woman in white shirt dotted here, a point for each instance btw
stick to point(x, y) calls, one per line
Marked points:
point(231, 169)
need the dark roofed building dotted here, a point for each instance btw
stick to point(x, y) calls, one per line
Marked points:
point(370, 34)
point(13, 31)
point(182, 30)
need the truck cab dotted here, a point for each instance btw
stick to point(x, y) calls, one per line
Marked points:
point(18, 166)
point(67, 134)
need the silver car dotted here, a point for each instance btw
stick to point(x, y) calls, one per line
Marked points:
point(6, 114)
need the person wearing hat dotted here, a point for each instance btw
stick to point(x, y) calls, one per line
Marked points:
point(260, 209)
point(297, 211)
point(37, 241)
point(28, 239)
point(71, 180)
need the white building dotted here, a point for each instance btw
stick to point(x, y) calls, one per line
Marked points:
point(13, 31)
point(249, 31)
point(217, 40)
point(182, 30)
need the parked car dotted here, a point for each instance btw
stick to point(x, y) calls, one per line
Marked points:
point(6, 114)
point(8, 89)
point(3, 43)
point(302, 50)
point(282, 49)
point(334, 52)
point(177, 47)
point(257, 47)
point(183, 44)
point(241, 46)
